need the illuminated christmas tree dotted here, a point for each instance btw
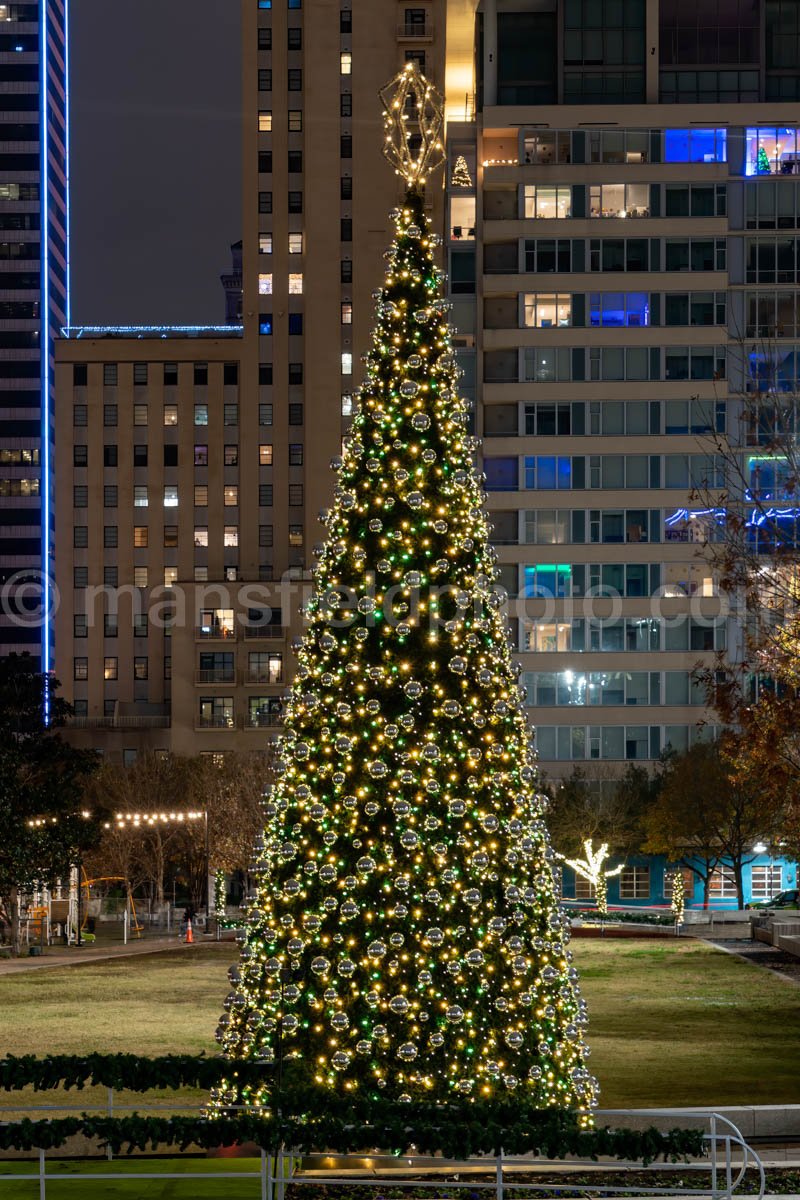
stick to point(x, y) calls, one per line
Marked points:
point(763, 165)
point(461, 176)
point(406, 939)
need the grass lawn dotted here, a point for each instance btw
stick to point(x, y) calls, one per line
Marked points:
point(673, 1023)
point(144, 1189)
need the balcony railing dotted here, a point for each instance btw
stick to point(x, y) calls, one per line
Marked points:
point(220, 675)
point(224, 723)
point(272, 633)
point(270, 721)
point(220, 633)
point(258, 675)
point(412, 30)
point(162, 722)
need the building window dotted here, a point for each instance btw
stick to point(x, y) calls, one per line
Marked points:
point(295, 495)
point(265, 202)
point(546, 310)
point(295, 79)
point(170, 495)
point(140, 577)
point(265, 374)
point(346, 272)
point(265, 666)
point(79, 626)
point(722, 885)
point(765, 882)
point(231, 456)
point(295, 162)
point(231, 495)
point(80, 374)
point(265, 455)
point(346, 63)
point(168, 666)
point(200, 374)
point(201, 456)
point(347, 312)
point(698, 145)
point(170, 576)
point(201, 414)
point(265, 121)
point(265, 284)
point(295, 324)
point(140, 374)
point(346, 229)
point(201, 536)
point(634, 883)
point(295, 536)
point(296, 454)
point(171, 537)
point(346, 187)
point(110, 458)
point(140, 667)
point(80, 537)
point(295, 414)
point(295, 38)
point(140, 456)
point(109, 415)
point(265, 79)
point(346, 105)
point(110, 668)
point(347, 363)
point(140, 414)
point(619, 200)
point(296, 284)
point(140, 536)
point(265, 536)
point(200, 495)
point(80, 668)
point(80, 496)
point(265, 495)
point(347, 405)
point(265, 414)
point(170, 374)
point(295, 243)
point(345, 21)
point(264, 244)
point(80, 415)
point(265, 162)
point(345, 146)
point(170, 456)
point(140, 499)
point(616, 309)
point(230, 535)
point(109, 375)
point(295, 202)
point(265, 324)
point(584, 888)
point(170, 414)
point(230, 414)
point(80, 577)
point(110, 496)
point(545, 203)
point(295, 120)
point(295, 373)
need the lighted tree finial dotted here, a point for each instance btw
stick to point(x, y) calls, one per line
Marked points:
point(413, 120)
point(591, 868)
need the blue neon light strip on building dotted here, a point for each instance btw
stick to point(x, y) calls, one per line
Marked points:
point(67, 165)
point(142, 331)
point(44, 341)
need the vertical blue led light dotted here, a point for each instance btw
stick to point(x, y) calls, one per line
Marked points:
point(44, 341)
point(68, 164)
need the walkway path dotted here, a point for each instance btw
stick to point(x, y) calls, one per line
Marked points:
point(72, 956)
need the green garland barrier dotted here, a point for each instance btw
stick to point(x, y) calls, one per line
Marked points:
point(552, 1140)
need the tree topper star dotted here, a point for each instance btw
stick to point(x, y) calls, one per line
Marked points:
point(413, 120)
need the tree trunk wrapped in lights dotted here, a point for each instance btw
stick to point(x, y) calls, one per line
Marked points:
point(406, 940)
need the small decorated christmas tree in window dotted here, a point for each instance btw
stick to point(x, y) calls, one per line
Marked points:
point(406, 941)
point(763, 166)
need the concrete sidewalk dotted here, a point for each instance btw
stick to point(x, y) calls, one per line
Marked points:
point(72, 956)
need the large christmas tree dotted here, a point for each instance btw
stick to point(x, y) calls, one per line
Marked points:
point(406, 939)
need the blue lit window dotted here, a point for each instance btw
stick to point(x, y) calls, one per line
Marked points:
point(619, 308)
point(265, 324)
point(772, 151)
point(295, 3)
point(548, 579)
point(265, 3)
point(501, 474)
point(547, 472)
point(695, 145)
point(295, 322)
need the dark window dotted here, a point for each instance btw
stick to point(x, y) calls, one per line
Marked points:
point(295, 162)
point(347, 270)
point(346, 104)
point(200, 374)
point(265, 495)
point(170, 456)
point(110, 375)
point(265, 535)
point(80, 456)
point(295, 81)
point(80, 415)
point(230, 374)
point(295, 202)
point(140, 456)
point(346, 146)
point(295, 323)
point(295, 38)
point(80, 374)
point(345, 21)
point(265, 373)
point(140, 374)
point(110, 537)
point(170, 374)
point(264, 162)
point(265, 79)
point(109, 415)
point(346, 188)
point(295, 372)
point(110, 496)
point(80, 536)
point(265, 38)
point(295, 414)
point(265, 202)
point(346, 233)
point(109, 456)
point(295, 495)
point(296, 454)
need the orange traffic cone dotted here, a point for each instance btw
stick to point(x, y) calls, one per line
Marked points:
point(189, 935)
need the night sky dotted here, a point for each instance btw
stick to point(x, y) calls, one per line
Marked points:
point(156, 146)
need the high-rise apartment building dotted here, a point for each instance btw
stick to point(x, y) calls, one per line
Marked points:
point(620, 215)
point(34, 290)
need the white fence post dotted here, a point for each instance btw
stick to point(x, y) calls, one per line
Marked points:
point(42, 1177)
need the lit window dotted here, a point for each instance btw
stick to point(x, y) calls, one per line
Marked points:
point(140, 496)
point(170, 496)
point(295, 535)
point(140, 414)
point(140, 577)
point(201, 414)
point(543, 203)
point(295, 285)
point(265, 121)
point(295, 243)
point(200, 574)
point(265, 455)
point(140, 536)
point(201, 535)
point(265, 285)
point(347, 313)
point(347, 364)
point(231, 495)
point(265, 243)
point(170, 576)
point(231, 456)
point(110, 668)
point(231, 535)
point(545, 310)
point(170, 414)
point(347, 405)
point(201, 495)
point(346, 63)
